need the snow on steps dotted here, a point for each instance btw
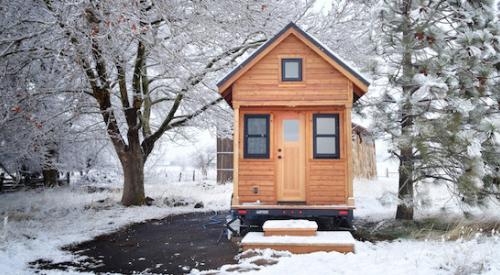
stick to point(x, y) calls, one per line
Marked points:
point(340, 241)
point(290, 228)
point(298, 236)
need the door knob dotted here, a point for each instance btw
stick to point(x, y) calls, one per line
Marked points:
point(279, 157)
point(279, 149)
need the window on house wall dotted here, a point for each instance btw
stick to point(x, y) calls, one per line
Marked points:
point(256, 132)
point(326, 136)
point(291, 69)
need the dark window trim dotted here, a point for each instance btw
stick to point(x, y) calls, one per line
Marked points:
point(283, 61)
point(336, 135)
point(246, 154)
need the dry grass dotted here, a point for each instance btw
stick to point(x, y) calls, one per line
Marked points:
point(469, 229)
point(426, 229)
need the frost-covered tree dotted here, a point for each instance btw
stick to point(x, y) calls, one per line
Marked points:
point(468, 129)
point(146, 66)
point(39, 112)
point(409, 38)
point(203, 159)
point(27, 135)
point(438, 102)
point(344, 27)
point(20, 132)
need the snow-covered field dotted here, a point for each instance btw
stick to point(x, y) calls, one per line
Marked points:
point(38, 223)
point(376, 201)
point(478, 256)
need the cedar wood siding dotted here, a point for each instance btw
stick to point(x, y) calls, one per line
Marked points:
point(262, 83)
point(326, 179)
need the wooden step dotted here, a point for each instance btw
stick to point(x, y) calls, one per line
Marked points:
point(290, 228)
point(340, 241)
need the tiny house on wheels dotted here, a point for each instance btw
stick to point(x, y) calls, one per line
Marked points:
point(292, 101)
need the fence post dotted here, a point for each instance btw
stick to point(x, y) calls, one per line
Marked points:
point(194, 174)
point(1, 182)
point(67, 178)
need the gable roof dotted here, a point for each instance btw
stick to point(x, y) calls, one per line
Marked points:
point(351, 73)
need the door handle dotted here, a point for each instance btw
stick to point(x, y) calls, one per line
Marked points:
point(279, 157)
point(279, 149)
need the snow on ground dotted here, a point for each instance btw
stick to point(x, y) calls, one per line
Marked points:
point(477, 256)
point(38, 223)
point(376, 200)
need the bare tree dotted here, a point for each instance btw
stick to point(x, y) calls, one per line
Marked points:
point(146, 66)
point(203, 159)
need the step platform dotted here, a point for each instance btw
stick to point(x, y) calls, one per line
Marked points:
point(298, 236)
point(290, 228)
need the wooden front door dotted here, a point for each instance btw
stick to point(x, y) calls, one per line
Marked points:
point(290, 156)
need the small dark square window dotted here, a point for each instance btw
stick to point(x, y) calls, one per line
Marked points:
point(326, 136)
point(256, 136)
point(291, 69)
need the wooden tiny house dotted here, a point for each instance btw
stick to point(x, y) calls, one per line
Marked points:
point(292, 101)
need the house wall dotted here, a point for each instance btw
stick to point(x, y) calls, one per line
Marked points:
point(321, 82)
point(363, 157)
point(326, 179)
point(323, 89)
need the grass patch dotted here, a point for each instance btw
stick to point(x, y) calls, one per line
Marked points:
point(428, 229)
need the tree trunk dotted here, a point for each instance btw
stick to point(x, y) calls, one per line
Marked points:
point(405, 191)
point(133, 175)
point(204, 172)
point(49, 171)
point(49, 177)
point(406, 166)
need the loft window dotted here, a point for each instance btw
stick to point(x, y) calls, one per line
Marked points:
point(256, 131)
point(291, 69)
point(326, 136)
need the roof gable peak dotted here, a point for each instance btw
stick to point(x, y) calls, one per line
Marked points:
point(292, 29)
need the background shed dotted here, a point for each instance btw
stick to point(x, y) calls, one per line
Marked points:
point(363, 158)
point(364, 163)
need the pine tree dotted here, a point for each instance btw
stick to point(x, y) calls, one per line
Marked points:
point(408, 40)
point(439, 106)
point(470, 120)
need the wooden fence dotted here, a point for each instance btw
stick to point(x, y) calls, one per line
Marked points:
point(224, 160)
point(8, 184)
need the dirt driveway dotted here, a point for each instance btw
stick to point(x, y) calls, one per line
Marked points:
point(173, 245)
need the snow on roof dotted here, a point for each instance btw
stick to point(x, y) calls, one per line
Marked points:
point(314, 40)
point(321, 238)
point(291, 224)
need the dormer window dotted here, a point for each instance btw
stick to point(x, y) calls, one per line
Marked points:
point(291, 69)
